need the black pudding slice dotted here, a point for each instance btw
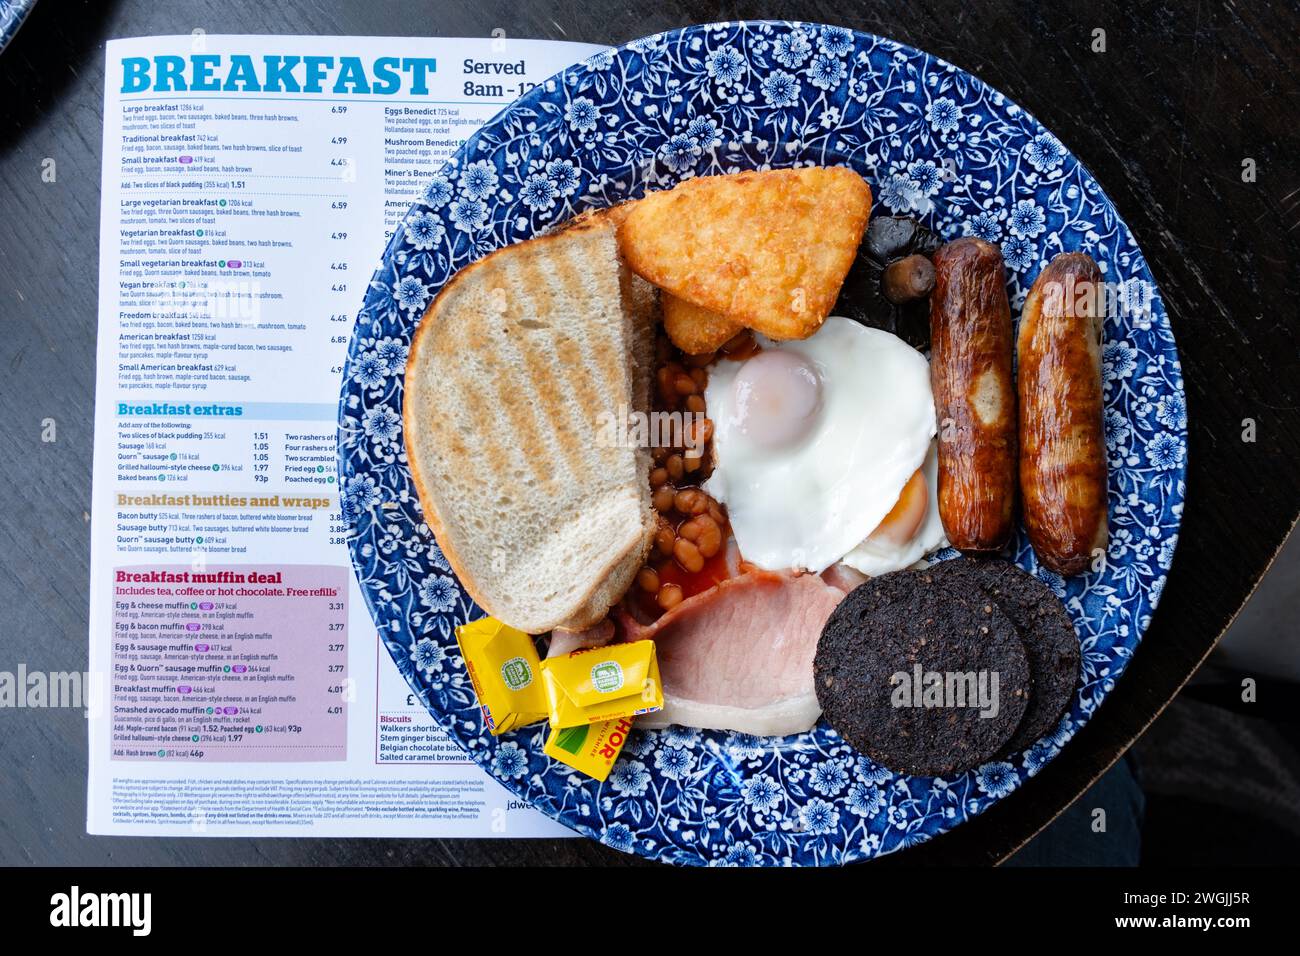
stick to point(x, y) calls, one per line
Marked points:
point(885, 628)
point(1045, 628)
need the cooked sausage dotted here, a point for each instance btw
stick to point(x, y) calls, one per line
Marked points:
point(1062, 436)
point(970, 371)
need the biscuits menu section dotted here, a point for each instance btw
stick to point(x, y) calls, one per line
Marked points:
point(249, 187)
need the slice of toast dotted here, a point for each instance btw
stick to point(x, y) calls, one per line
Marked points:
point(767, 249)
point(516, 369)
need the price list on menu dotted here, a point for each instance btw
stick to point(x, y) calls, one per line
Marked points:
point(230, 665)
point(250, 184)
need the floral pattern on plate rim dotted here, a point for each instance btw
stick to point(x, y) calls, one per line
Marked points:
point(934, 142)
point(12, 15)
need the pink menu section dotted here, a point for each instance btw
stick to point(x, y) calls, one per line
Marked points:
point(230, 663)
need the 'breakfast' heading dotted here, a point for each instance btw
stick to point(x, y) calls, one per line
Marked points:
point(277, 73)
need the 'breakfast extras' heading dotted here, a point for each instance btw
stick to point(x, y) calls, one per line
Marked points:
point(169, 410)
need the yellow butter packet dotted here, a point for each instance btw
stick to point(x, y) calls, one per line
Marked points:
point(596, 684)
point(589, 748)
point(504, 667)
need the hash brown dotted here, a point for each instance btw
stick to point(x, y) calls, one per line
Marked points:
point(767, 249)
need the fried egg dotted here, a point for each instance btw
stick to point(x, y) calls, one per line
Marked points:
point(911, 530)
point(815, 440)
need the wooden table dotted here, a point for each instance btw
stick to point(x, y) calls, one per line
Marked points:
point(1165, 118)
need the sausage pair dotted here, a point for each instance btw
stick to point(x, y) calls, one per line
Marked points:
point(1054, 445)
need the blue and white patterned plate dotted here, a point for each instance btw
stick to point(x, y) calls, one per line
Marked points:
point(12, 15)
point(933, 141)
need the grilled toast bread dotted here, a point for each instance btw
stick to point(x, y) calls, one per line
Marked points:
point(512, 371)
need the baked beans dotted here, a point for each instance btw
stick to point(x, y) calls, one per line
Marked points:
point(688, 555)
point(691, 527)
point(648, 580)
point(704, 532)
point(665, 538)
point(691, 501)
point(740, 346)
point(700, 361)
point(670, 595)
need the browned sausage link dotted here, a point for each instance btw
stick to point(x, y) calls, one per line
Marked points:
point(970, 371)
point(1062, 437)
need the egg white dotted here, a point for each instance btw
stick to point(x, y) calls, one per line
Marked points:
point(809, 502)
point(876, 556)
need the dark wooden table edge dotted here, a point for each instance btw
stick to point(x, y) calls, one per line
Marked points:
point(1161, 709)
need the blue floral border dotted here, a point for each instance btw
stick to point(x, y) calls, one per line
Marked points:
point(934, 142)
point(12, 15)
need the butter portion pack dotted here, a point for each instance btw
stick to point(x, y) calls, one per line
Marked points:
point(506, 672)
point(599, 684)
point(589, 748)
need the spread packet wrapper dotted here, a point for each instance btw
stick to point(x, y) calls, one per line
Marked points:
point(598, 684)
point(589, 748)
point(506, 672)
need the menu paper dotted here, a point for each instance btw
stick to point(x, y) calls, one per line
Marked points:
point(249, 185)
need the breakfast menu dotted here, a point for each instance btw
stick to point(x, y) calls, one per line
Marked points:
point(249, 186)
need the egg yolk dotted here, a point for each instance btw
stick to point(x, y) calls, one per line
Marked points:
point(777, 393)
point(903, 520)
